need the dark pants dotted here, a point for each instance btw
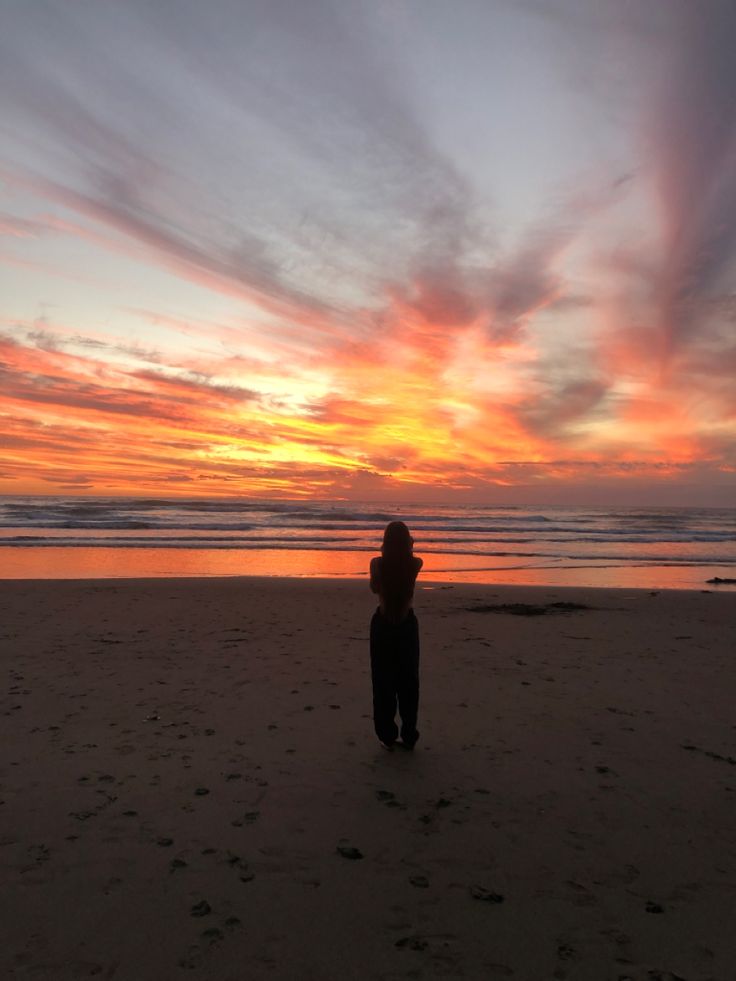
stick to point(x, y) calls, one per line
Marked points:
point(395, 676)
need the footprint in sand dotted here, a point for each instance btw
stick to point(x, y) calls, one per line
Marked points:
point(412, 943)
point(565, 951)
point(39, 853)
point(485, 895)
point(652, 907)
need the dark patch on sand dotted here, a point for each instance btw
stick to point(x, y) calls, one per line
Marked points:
point(527, 609)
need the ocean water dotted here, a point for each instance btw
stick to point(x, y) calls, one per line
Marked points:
point(65, 537)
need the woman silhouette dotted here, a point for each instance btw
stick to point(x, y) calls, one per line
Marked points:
point(395, 638)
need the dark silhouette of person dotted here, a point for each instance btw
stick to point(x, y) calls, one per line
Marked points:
point(395, 638)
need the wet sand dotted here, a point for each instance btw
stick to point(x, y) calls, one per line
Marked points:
point(191, 787)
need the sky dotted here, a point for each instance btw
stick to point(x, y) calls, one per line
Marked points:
point(415, 250)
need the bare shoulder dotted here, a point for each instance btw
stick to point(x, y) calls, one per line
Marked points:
point(419, 562)
point(374, 562)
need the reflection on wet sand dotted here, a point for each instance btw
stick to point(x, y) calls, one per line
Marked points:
point(50, 562)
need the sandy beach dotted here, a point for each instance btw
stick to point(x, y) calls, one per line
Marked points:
point(191, 786)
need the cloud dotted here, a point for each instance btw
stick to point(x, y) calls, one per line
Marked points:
point(693, 141)
point(289, 242)
point(379, 333)
point(49, 377)
point(16, 227)
point(568, 403)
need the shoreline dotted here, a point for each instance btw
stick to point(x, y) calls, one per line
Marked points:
point(55, 564)
point(423, 584)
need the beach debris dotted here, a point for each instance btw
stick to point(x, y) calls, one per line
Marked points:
point(653, 907)
point(527, 609)
point(515, 609)
point(164, 842)
point(176, 863)
point(201, 792)
point(201, 908)
point(348, 851)
point(485, 895)
point(420, 881)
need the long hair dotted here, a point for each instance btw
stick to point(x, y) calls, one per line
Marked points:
point(397, 542)
point(397, 568)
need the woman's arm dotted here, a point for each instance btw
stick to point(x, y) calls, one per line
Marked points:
point(375, 582)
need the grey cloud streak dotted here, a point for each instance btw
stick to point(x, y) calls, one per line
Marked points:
point(267, 149)
point(694, 123)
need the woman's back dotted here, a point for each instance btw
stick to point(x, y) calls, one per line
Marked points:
point(395, 638)
point(393, 578)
